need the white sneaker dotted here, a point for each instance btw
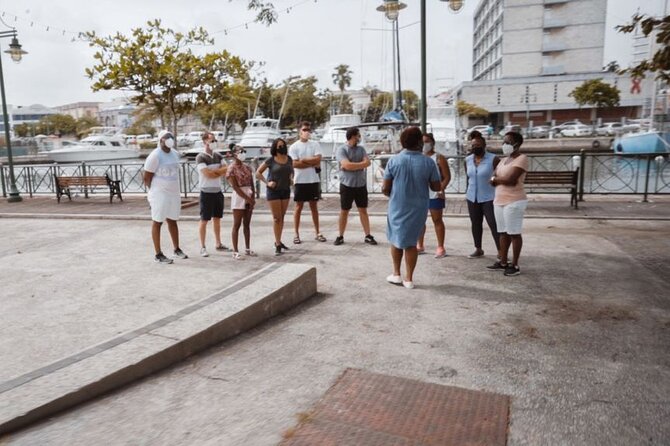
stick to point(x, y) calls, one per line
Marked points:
point(203, 252)
point(395, 280)
point(407, 284)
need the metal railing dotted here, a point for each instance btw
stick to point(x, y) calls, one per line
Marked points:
point(643, 174)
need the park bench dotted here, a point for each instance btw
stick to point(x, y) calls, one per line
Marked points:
point(561, 179)
point(63, 185)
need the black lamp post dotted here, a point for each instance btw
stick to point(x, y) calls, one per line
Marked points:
point(392, 8)
point(16, 53)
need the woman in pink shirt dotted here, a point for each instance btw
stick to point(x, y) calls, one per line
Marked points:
point(510, 202)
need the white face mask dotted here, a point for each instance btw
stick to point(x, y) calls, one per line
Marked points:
point(427, 147)
point(507, 149)
point(169, 143)
point(241, 156)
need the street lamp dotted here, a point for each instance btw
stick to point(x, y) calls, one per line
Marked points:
point(391, 9)
point(16, 53)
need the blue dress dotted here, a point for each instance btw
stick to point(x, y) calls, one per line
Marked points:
point(412, 173)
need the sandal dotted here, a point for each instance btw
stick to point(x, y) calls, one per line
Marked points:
point(250, 253)
point(320, 238)
point(237, 256)
point(296, 240)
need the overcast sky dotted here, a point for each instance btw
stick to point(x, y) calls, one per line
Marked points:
point(311, 38)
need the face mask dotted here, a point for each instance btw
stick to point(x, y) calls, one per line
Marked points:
point(169, 143)
point(241, 156)
point(507, 149)
point(427, 147)
point(479, 151)
point(282, 150)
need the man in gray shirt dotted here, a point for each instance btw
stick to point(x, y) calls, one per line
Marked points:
point(353, 161)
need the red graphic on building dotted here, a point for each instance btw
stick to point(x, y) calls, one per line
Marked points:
point(635, 87)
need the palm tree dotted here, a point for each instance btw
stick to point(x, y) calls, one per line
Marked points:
point(342, 78)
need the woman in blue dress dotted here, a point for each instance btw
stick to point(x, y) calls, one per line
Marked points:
point(406, 178)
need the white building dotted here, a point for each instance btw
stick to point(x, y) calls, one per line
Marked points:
point(79, 109)
point(30, 114)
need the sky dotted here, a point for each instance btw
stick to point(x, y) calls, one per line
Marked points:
point(311, 38)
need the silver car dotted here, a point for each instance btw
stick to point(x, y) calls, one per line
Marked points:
point(610, 129)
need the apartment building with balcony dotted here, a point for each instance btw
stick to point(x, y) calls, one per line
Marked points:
point(528, 55)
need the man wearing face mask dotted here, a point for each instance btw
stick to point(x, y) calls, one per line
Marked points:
point(161, 177)
point(510, 202)
point(436, 202)
point(479, 168)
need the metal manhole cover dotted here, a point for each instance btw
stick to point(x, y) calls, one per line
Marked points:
point(366, 409)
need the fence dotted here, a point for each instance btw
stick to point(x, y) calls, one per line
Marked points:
point(599, 174)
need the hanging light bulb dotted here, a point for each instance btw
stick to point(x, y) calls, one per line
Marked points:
point(391, 9)
point(455, 5)
point(15, 50)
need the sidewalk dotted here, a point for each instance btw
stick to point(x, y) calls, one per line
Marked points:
point(579, 341)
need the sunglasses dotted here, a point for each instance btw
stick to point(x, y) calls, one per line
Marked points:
point(306, 130)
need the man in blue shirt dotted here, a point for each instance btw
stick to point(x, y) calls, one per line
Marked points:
point(353, 161)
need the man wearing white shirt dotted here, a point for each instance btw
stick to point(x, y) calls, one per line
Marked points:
point(306, 156)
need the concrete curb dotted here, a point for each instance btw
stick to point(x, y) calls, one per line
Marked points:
point(121, 360)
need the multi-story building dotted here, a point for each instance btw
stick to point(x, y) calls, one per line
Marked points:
point(528, 55)
point(79, 109)
point(30, 114)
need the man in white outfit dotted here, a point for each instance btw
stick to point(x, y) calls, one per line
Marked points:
point(161, 177)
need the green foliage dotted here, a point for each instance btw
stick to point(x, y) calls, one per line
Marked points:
point(660, 61)
point(471, 110)
point(303, 104)
point(84, 124)
point(159, 67)
point(342, 78)
point(381, 103)
point(597, 93)
point(22, 130)
point(265, 11)
point(57, 124)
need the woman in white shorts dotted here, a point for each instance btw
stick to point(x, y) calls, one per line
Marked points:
point(510, 202)
point(242, 203)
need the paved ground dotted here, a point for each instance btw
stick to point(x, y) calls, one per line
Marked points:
point(579, 340)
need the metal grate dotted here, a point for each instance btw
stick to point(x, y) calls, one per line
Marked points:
point(366, 409)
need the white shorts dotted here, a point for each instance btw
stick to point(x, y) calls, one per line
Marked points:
point(165, 206)
point(509, 217)
point(237, 202)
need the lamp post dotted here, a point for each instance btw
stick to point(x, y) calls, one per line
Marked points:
point(391, 9)
point(16, 53)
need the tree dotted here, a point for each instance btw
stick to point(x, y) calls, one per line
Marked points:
point(597, 93)
point(342, 78)
point(84, 124)
point(612, 67)
point(23, 130)
point(470, 110)
point(304, 104)
point(660, 61)
point(57, 124)
point(158, 66)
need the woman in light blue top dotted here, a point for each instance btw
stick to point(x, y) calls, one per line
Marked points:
point(479, 167)
point(407, 179)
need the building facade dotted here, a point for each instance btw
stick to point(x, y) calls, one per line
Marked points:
point(30, 114)
point(79, 109)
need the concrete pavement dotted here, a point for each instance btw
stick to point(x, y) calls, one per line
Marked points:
point(579, 340)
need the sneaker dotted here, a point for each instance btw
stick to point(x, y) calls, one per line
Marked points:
point(370, 240)
point(395, 280)
point(283, 246)
point(408, 284)
point(496, 267)
point(179, 253)
point(478, 253)
point(222, 248)
point(203, 252)
point(512, 270)
point(338, 240)
point(277, 250)
point(160, 258)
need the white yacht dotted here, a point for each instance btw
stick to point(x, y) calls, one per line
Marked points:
point(102, 144)
point(442, 122)
point(258, 136)
point(335, 132)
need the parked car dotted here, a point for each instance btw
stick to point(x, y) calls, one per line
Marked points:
point(557, 129)
point(577, 130)
point(511, 128)
point(540, 131)
point(483, 129)
point(610, 129)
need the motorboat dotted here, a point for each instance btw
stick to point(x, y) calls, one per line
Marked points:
point(259, 135)
point(651, 141)
point(441, 121)
point(335, 133)
point(102, 144)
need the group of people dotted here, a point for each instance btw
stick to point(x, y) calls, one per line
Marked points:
point(414, 181)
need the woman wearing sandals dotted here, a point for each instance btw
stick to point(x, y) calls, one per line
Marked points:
point(241, 178)
point(278, 181)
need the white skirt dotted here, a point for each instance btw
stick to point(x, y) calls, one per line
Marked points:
point(237, 202)
point(164, 206)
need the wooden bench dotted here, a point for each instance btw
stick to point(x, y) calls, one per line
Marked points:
point(63, 185)
point(560, 179)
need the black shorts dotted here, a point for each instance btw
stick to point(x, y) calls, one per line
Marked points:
point(306, 192)
point(211, 205)
point(281, 194)
point(350, 194)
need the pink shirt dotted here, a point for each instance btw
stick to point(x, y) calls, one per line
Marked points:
point(509, 194)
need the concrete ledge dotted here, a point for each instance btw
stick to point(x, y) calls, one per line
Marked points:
point(273, 289)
